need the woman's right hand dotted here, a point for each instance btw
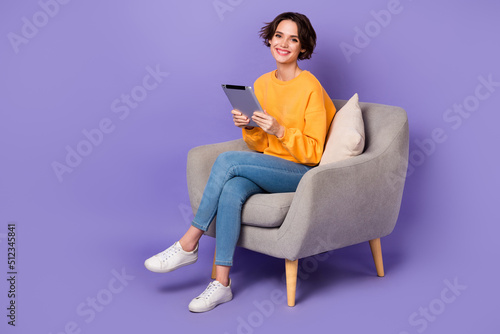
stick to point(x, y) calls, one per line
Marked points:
point(240, 120)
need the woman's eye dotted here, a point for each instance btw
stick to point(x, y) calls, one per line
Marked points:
point(277, 35)
point(295, 40)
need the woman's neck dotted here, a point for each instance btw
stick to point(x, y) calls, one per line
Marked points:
point(286, 72)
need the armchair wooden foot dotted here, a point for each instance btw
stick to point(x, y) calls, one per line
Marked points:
point(213, 268)
point(291, 280)
point(377, 256)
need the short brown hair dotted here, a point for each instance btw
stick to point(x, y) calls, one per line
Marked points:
point(307, 35)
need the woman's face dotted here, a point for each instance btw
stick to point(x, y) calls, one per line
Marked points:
point(285, 44)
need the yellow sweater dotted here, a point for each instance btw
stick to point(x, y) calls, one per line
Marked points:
point(303, 107)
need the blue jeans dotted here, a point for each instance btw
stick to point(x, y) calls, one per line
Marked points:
point(234, 177)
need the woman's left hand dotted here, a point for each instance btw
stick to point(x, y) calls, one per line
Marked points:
point(268, 123)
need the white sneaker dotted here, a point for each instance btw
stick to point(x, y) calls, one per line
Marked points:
point(214, 294)
point(171, 258)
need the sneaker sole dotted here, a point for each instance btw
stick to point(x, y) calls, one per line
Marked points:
point(211, 307)
point(163, 271)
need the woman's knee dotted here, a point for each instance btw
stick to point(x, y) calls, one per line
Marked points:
point(228, 159)
point(224, 159)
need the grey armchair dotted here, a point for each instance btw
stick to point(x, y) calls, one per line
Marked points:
point(335, 205)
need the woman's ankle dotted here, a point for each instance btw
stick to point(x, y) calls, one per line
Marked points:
point(223, 281)
point(222, 274)
point(190, 239)
point(186, 246)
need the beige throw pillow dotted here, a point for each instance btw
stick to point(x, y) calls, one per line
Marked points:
point(346, 137)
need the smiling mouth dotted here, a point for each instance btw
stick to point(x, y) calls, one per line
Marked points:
point(282, 52)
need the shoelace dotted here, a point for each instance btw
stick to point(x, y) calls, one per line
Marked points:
point(209, 290)
point(169, 252)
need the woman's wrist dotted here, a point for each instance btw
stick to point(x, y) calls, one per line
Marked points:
point(281, 132)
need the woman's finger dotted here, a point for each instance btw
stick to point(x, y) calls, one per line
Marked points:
point(240, 121)
point(260, 114)
point(262, 124)
point(259, 124)
point(265, 124)
point(242, 117)
point(260, 118)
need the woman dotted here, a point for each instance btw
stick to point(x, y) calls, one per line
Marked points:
point(291, 136)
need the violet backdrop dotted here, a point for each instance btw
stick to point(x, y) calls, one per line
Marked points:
point(86, 223)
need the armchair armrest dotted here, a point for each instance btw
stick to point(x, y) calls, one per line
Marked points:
point(346, 202)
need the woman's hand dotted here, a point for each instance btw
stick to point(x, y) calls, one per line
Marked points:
point(268, 123)
point(240, 120)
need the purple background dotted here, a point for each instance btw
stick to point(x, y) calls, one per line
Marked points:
point(127, 199)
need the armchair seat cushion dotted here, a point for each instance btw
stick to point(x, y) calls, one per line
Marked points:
point(266, 210)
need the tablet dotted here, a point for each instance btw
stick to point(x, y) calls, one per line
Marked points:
point(243, 99)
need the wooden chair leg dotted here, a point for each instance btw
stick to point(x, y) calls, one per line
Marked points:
point(377, 256)
point(291, 280)
point(213, 268)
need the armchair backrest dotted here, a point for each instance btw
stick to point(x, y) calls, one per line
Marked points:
point(382, 124)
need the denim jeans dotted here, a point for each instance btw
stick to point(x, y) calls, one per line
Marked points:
point(234, 177)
